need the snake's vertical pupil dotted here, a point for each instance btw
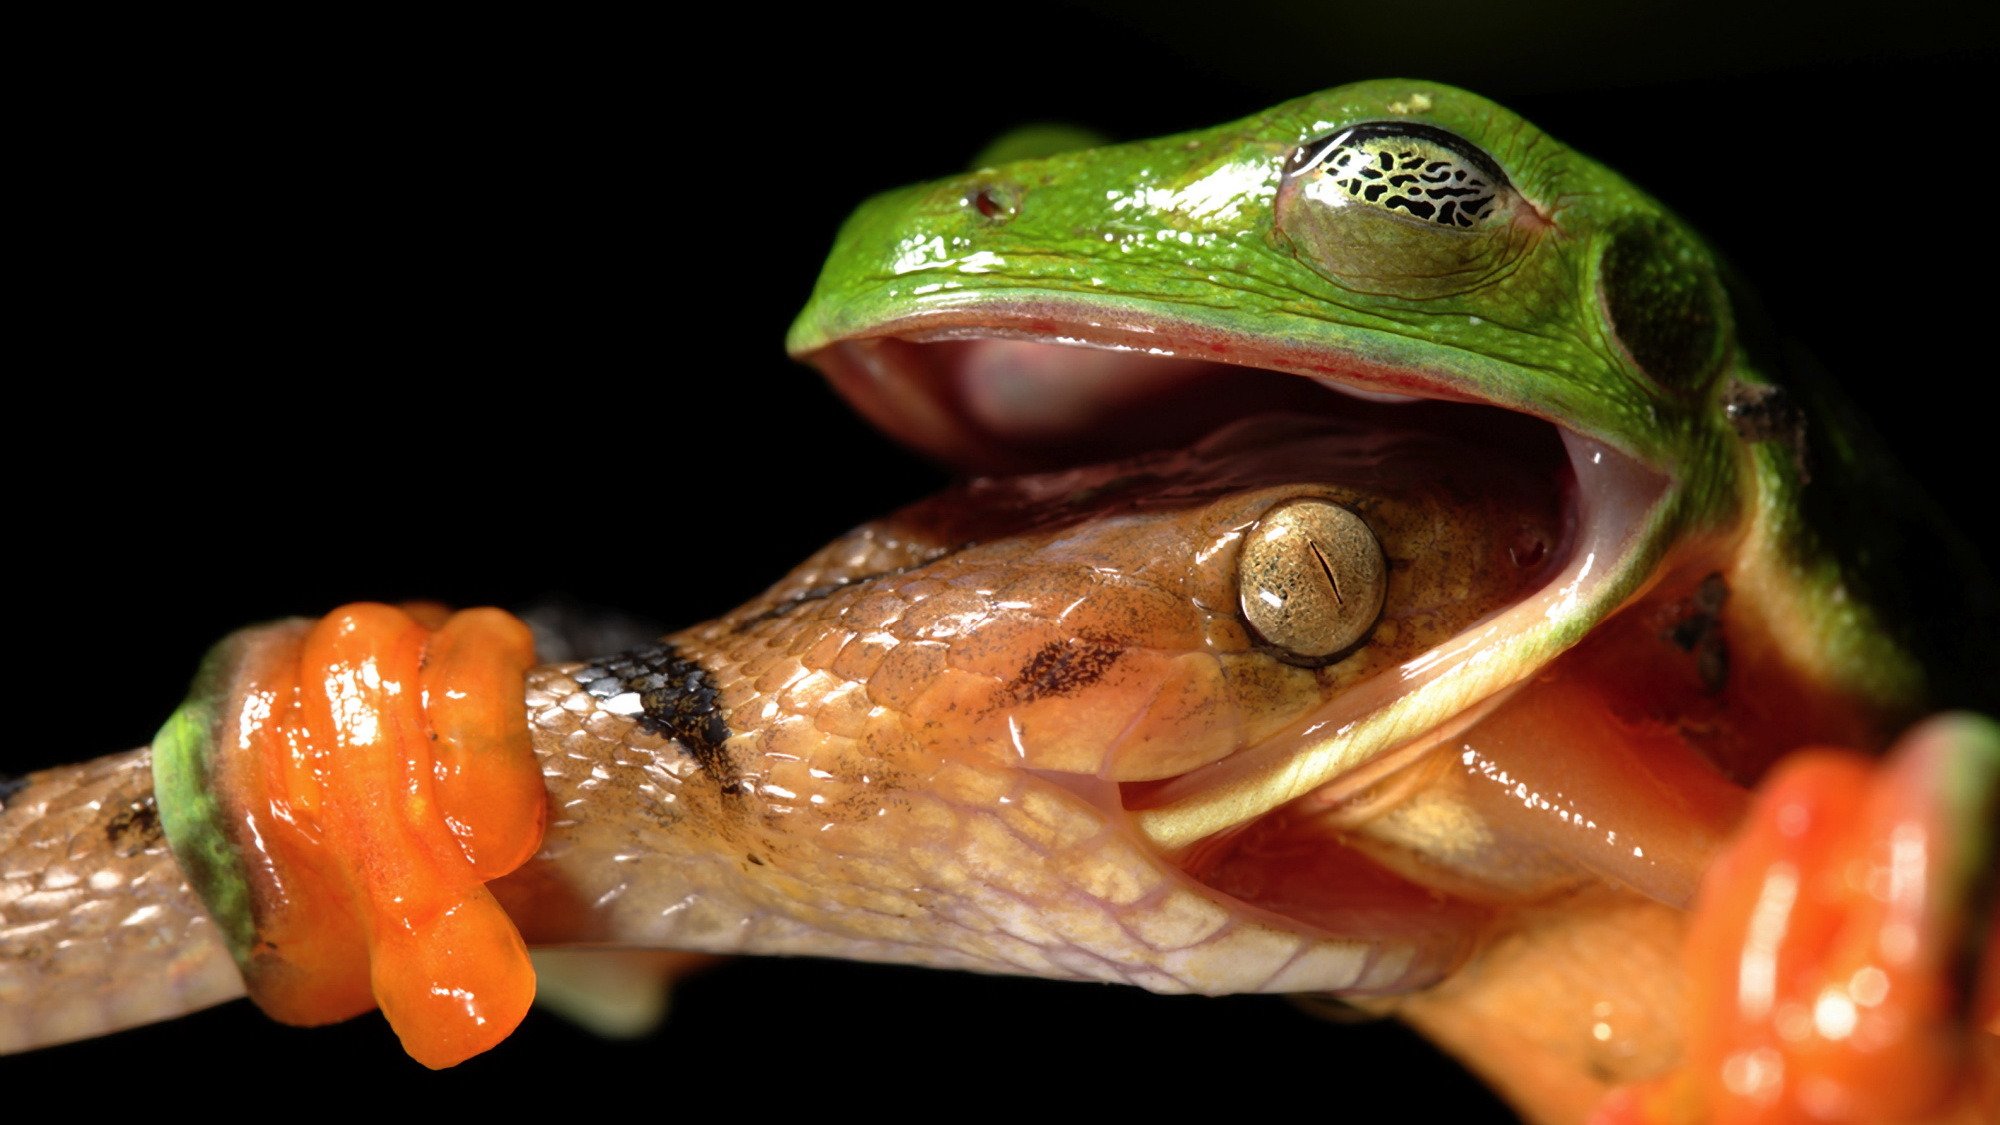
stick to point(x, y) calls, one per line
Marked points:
point(1311, 580)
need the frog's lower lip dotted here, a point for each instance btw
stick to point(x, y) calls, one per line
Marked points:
point(1025, 390)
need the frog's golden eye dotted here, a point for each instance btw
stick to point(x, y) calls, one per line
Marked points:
point(1415, 170)
point(1311, 580)
point(1397, 208)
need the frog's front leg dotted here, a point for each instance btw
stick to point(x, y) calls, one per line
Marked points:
point(1843, 962)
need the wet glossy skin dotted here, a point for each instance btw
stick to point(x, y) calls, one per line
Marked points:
point(648, 593)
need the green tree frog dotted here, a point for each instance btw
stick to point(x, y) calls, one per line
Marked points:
point(1734, 574)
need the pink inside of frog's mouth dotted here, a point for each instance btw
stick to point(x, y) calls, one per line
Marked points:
point(1030, 393)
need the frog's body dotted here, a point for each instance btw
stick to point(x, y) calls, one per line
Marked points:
point(1042, 724)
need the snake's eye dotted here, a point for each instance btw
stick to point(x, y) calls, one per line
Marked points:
point(1311, 580)
point(1397, 208)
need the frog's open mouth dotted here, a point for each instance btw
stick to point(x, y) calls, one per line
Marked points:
point(1028, 388)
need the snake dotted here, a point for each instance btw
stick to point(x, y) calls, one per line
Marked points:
point(1072, 619)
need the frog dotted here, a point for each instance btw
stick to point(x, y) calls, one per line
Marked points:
point(1550, 290)
point(1403, 241)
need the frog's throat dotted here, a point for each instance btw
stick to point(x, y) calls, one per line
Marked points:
point(940, 382)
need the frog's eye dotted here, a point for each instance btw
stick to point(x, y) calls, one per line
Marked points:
point(1397, 208)
point(1311, 580)
point(1424, 173)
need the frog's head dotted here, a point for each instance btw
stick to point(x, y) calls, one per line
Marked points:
point(1391, 240)
point(1400, 254)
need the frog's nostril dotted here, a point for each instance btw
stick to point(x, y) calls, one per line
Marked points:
point(998, 202)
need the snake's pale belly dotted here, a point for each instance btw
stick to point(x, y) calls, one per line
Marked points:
point(918, 747)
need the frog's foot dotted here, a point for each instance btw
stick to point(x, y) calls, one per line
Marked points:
point(1843, 961)
point(340, 792)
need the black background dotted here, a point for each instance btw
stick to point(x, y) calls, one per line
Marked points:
point(379, 310)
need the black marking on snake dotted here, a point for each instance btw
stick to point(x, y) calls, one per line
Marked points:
point(135, 828)
point(809, 594)
point(676, 698)
point(828, 589)
point(1062, 667)
point(10, 784)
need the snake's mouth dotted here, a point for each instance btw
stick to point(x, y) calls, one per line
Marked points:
point(1267, 829)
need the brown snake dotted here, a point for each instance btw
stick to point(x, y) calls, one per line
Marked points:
point(926, 728)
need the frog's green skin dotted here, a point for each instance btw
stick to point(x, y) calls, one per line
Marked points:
point(1178, 235)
